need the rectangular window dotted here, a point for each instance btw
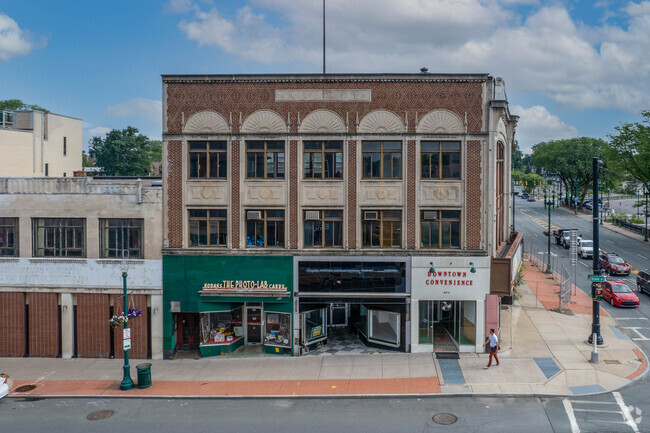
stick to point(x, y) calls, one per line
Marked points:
point(47, 169)
point(382, 229)
point(8, 237)
point(323, 228)
point(265, 228)
point(323, 159)
point(65, 146)
point(59, 237)
point(208, 159)
point(384, 327)
point(265, 159)
point(382, 159)
point(208, 228)
point(440, 229)
point(278, 329)
point(221, 327)
point(440, 159)
point(121, 238)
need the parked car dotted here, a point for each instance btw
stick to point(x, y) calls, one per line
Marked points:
point(525, 195)
point(619, 294)
point(531, 198)
point(643, 281)
point(585, 248)
point(613, 264)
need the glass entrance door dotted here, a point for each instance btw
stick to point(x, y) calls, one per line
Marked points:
point(338, 315)
point(254, 325)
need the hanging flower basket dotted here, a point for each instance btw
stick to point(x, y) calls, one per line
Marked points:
point(131, 313)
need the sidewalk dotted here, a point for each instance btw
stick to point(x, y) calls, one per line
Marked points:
point(607, 225)
point(543, 353)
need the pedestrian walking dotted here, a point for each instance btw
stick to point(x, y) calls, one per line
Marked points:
point(494, 347)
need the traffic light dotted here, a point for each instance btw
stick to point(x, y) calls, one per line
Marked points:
point(596, 291)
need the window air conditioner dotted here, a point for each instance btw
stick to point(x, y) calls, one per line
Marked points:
point(430, 215)
point(254, 215)
point(312, 215)
point(370, 215)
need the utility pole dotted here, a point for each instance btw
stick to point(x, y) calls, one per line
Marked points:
point(596, 278)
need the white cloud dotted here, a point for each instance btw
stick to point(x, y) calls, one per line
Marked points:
point(537, 124)
point(99, 131)
point(147, 109)
point(579, 66)
point(13, 40)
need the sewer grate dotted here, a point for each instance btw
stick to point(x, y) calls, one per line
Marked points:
point(611, 361)
point(99, 414)
point(25, 388)
point(444, 418)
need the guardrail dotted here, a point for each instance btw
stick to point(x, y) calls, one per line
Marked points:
point(560, 274)
point(629, 226)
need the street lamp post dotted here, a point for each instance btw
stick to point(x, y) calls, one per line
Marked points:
point(127, 382)
point(595, 323)
point(646, 193)
point(549, 203)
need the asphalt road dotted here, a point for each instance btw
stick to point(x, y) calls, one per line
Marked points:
point(627, 410)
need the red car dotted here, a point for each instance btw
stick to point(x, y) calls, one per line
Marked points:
point(619, 294)
point(613, 264)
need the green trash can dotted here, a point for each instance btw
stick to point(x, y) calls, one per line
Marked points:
point(144, 375)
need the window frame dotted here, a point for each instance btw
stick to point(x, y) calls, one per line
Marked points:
point(440, 220)
point(207, 152)
point(382, 221)
point(382, 159)
point(266, 220)
point(103, 227)
point(265, 153)
point(323, 152)
point(207, 219)
point(58, 250)
point(5, 234)
point(323, 220)
point(439, 153)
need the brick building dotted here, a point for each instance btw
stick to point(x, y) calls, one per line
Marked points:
point(299, 205)
point(64, 243)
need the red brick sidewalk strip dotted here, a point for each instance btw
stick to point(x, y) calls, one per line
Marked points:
point(644, 364)
point(546, 290)
point(419, 385)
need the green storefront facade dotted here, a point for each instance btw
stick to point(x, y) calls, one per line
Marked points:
point(217, 304)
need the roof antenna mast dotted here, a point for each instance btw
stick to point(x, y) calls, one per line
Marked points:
point(323, 36)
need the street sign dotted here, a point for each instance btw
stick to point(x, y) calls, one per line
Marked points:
point(126, 334)
point(596, 278)
point(127, 344)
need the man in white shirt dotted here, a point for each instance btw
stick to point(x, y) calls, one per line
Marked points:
point(494, 347)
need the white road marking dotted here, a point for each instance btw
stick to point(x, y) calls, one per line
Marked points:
point(599, 411)
point(635, 329)
point(572, 416)
point(630, 280)
point(592, 402)
point(584, 264)
point(626, 412)
point(643, 257)
point(610, 241)
point(631, 318)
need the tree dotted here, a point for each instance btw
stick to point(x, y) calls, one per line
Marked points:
point(125, 152)
point(629, 150)
point(571, 160)
point(517, 156)
point(17, 104)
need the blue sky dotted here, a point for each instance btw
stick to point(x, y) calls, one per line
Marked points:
point(572, 67)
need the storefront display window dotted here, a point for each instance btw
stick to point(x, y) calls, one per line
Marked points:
point(467, 322)
point(384, 327)
point(278, 329)
point(222, 326)
point(314, 326)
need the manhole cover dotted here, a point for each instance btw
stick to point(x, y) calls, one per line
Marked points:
point(445, 418)
point(25, 388)
point(100, 414)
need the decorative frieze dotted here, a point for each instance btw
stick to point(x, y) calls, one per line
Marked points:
point(326, 194)
point(440, 194)
point(382, 195)
point(207, 194)
point(263, 195)
point(329, 95)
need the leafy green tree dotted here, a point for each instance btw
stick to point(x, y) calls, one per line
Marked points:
point(629, 150)
point(17, 104)
point(125, 152)
point(572, 160)
point(517, 156)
